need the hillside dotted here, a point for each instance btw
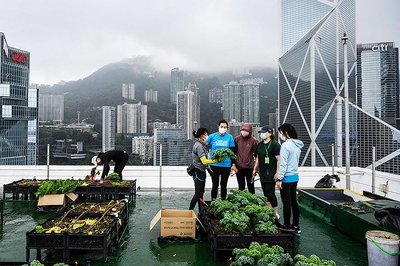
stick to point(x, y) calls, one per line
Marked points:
point(103, 87)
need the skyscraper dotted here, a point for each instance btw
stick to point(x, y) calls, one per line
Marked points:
point(188, 109)
point(51, 108)
point(143, 146)
point(19, 107)
point(378, 81)
point(215, 95)
point(176, 149)
point(108, 127)
point(132, 118)
point(151, 96)
point(177, 83)
point(241, 101)
point(128, 91)
point(311, 78)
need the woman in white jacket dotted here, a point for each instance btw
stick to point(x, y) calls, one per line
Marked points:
point(289, 175)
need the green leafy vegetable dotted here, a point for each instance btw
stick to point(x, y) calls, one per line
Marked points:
point(222, 154)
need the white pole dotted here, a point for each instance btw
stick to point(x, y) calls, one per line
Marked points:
point(333, 159)
point(312, 77)
point(346, 111)
point(48, 161)
point(160, 179)
point(373, 169)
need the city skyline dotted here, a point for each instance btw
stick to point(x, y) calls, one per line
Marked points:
point(198, 39)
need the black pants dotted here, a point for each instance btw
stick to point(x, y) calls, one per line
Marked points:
point(244, 175)
point(224, 173)
point(119, 166)
point(269, 193)
point(289, 200)
point(199, 179)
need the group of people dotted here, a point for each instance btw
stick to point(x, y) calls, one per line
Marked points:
point(276, 165)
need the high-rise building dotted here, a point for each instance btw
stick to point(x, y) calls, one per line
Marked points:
point(215, 95)
point(132, 118)
point(188, 109)
point(241, 101)
point(378, 81)
point(19, 108)
point(143, 146)
point(128, 91)
point(176, 149)
point(51, 108)
point(108, 136)
point(311, 78)
point(177, 83)
point(151, 96)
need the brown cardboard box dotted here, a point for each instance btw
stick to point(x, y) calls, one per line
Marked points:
point(56, 199)
point(179, 223)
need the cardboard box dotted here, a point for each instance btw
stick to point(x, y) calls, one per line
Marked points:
point(56, 199)
point(179, 223)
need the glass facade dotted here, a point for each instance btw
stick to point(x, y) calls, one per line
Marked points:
point(18, 121)
point(176, 150)
point(311, 73)
point(298, 17)
point(51, 108)
point(378, 81)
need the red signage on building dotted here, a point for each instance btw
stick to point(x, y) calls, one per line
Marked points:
point(19, 58)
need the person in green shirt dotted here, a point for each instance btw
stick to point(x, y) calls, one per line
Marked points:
point(267, 165)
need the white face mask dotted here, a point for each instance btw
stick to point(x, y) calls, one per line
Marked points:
point(263, 135)
point(222, 130)
point(205, 138)
point(244, 133)
point(282, 137)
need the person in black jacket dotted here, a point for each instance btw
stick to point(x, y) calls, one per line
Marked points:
point(120, 158)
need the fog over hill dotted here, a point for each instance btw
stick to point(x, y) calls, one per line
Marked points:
point(103, 87)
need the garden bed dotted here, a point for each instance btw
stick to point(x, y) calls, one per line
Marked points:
point(107, 191)
point(85, 226)
point(224, 243)
point(23, 189)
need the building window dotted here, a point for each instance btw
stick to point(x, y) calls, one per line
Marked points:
point(7, 111)
point(4, 89)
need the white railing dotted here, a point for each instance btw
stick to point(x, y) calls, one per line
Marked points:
point(176, 177)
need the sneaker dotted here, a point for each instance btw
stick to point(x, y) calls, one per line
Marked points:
point(296, 229)
point(282, 227)
point(277, 216)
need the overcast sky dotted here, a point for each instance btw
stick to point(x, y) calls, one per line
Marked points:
point(70, 39)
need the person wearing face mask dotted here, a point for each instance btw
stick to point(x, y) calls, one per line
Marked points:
point(221, 170)
point(288, 176)
point(246, 146)
point(201, 164)
point(267, 165)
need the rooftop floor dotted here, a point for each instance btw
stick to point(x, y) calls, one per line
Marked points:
point(140, 245)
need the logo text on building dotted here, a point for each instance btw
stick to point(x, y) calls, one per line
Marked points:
point(382, 47)
point(19, 58)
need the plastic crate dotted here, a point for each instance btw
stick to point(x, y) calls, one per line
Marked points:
point(105, 192)
point(1, 212)
point(225, 243)
point(20, 191)
point(73, 241)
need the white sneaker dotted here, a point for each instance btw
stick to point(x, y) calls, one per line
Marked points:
point(277, 216)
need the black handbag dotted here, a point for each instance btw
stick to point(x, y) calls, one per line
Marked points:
point(190, 169)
